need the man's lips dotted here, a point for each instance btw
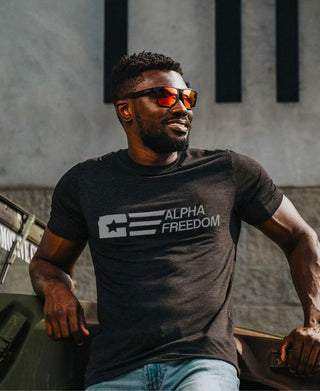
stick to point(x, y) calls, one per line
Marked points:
point(178, 125)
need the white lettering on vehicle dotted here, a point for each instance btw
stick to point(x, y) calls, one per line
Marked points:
point(8, 237)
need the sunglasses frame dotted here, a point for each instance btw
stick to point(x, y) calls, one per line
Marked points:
point(156, 90)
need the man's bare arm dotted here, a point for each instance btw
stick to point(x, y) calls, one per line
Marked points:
point(301, 246)
point(51, 270)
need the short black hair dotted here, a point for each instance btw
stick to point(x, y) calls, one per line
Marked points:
point(128, 72)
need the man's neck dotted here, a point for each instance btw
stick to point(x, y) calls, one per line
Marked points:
point(150, 158)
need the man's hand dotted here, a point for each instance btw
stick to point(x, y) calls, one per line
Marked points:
point(63, 314)
point(304, 343)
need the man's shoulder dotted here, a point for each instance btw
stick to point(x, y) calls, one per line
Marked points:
point(222, 159)
point(217, 155)
point(94, 162)
point(223, 154)
point(89, 168)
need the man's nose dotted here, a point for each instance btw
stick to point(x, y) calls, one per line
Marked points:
point(179, 107)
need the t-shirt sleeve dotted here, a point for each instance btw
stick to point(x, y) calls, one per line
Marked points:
point(66, 217)
point(257, 197)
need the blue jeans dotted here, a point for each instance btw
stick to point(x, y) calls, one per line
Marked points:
point(179, 375)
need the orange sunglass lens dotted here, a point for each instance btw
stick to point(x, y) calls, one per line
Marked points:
point(189, 98)
point(167, 96)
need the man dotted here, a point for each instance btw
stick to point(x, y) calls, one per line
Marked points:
point(163, 222)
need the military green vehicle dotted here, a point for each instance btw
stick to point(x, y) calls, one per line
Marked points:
point(29, 360)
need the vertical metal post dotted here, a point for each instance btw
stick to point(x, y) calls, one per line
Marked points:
point(115, 39)
point(287, 50)
point(228, 51)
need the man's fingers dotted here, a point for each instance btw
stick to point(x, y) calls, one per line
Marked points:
point(49, 328)
point(75, 328)
point(307, 360)
point(73, 322)
point(286, 344)
point(56, 331)
point(77, 325)
point(304, 357)
point(84, 330)
point(316, 367)
point(295, 346)
point(52, 326)
point(312, 361)
point(82, 323)
point(295, 359)
point(64, 327)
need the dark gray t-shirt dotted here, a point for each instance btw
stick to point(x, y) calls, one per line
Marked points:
point(163, 243)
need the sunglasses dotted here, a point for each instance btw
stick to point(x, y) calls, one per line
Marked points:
point(168, 96)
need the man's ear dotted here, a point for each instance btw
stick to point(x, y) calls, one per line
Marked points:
point(123, 110)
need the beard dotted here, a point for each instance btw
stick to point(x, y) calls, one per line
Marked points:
point(162, 142)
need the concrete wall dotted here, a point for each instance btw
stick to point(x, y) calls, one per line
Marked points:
point(51, 111)
point(52, 116)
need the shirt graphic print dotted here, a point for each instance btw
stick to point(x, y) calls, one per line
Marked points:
point(160, 221)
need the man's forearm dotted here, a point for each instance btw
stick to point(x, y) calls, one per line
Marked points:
point(304, 262)
point(301, 246)
point(44, 274)
point(63, 314)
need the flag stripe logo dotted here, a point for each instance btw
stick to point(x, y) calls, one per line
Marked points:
point(140, 221)
point(136, 224)
point(147, 214)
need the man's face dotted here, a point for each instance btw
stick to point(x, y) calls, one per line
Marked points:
point(161, 129)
